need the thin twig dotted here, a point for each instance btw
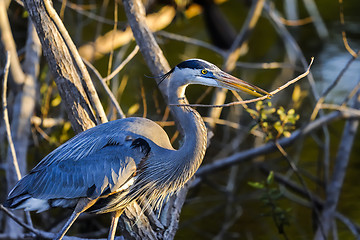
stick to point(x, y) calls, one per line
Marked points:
point(79, 9)
point(297, 22)
point(249, 25)
point(267, 65)
point(39, 233)
point(294, 187)
point(143, 98)
point(341, 108)
point(107, 89)
point(19, 221)
point(293, 47)
point(233, 53)
point(269, 147)
point(192, 41)
point(319, 24)
point(62, 10)
point(302, 182)
point(113, 36)
point(9, 44)
point(255, 99)
point(342, 21)
point(334, 187)
point(351, 94)
point(6, 116)
point(331, 86)
point(123, 63)
point(354, 228)
point(290, 43)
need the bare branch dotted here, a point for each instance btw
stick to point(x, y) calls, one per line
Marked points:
point(42, 234)
point(155, 21)
point(88, 85)
point(158, 65)
point(46, 122)
point(269, 147)
point(291, 185)
point(123, 63)
point(290, 43)
point(107, 89)
point(6, 116)
point(267, 65)
point(352, 111)
point(333, 189)
point(19, 221)
point(297, 22)
point(342, 21)
point(9, 43)
point(319, 24)
point(192, 41)
point(331, 86)
point(79, 9)
point(67, 78)
point(249, 25)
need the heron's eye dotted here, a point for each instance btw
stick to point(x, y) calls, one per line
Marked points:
point(204, 71)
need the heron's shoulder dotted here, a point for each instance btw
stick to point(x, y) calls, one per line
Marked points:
point(141, 128)
point(132, 124)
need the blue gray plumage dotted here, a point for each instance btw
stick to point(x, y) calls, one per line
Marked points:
point(105, 168)
point(102, 163)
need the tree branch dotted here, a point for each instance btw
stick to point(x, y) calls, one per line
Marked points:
point(6, 116)
point(333, 189)
point(269, 147)
point(63, 67)
point(87, 83)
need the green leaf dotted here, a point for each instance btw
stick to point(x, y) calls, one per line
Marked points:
point(286, 134)
point(278, 127)
point(259, 105)
point(133, 109)
point(252, 112)
point(270, 178)
point(56, 101)
point(296, 93)
point(25, 14)
point(257, 185)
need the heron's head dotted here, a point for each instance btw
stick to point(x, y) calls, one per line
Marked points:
point(197, 71)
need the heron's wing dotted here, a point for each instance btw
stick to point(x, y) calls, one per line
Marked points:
point(106, 169)
point(116, 132)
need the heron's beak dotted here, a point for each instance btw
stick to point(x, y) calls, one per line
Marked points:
point(236, 84)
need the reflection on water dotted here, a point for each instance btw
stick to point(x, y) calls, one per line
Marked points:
point(330, 63)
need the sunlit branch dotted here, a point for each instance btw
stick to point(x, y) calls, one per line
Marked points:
point(89, 87)
point(123, 63)
point(189, 40)
point(331, 86)
point(298, 22)
point(6, 116)
point(107, 89)
point(342, 21)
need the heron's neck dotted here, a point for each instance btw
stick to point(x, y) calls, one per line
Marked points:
point(194, 133)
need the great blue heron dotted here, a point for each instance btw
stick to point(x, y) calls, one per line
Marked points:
point(105, 168)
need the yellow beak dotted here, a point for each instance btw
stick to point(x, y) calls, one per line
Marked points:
point(237, 84)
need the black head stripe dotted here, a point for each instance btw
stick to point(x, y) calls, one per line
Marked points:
point(193, 64)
